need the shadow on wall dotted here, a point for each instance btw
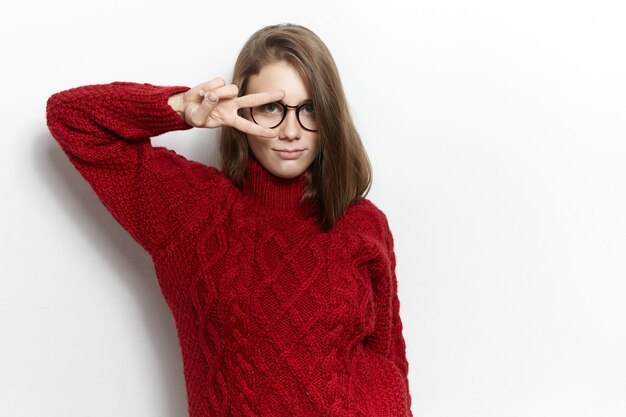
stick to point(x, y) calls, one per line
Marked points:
point(130, 262)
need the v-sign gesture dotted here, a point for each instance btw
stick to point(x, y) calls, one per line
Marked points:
point(215, 104)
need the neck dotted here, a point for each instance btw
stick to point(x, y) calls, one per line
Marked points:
point(275, 193)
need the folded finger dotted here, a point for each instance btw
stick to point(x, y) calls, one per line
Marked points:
point(226, 91)
point(211, 85)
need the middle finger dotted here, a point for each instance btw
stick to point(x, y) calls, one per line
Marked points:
point(253, 100)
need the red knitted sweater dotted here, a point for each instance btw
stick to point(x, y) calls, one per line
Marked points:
point(275, 317)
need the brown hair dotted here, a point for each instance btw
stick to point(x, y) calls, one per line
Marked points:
point(341, 174)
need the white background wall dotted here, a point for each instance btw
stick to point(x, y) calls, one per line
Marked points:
point(497, 131)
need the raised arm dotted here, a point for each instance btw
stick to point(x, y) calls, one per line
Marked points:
point(105, 130)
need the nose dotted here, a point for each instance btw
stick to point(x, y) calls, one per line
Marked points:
point(290, 127)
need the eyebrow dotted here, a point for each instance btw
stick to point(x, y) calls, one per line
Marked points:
point(305, 101)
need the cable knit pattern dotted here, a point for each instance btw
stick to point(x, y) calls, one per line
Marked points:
point(274, 316)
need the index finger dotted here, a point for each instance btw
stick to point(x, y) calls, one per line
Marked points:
point(246, 126)
point(253, 100)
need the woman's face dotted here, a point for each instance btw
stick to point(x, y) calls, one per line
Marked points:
point(292, 151)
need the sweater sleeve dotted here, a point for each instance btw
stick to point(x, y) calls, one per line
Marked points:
point(105, 131)
point(386, 337)
point(397, 346)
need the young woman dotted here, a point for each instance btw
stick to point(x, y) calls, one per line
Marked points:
point(278, 272)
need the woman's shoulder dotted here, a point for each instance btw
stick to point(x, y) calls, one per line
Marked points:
point(364, 207)
point(368, 219)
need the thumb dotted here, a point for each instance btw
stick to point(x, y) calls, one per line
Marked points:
point(201, 113)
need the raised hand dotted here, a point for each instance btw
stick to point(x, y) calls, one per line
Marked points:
point(214, 104)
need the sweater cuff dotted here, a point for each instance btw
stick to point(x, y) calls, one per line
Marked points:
point(148, 106)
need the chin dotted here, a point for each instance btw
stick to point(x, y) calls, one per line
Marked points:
point(287, 174)
point(289, 170)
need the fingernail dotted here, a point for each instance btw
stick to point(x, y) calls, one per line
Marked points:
point(212, 97)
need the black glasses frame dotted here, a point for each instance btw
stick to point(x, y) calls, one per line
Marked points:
point(286, 108)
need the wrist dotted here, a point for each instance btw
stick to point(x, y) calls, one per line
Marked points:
point(177, 103)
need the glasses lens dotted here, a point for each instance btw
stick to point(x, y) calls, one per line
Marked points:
point(306, 115)
point(272, 114)
point(268, 115)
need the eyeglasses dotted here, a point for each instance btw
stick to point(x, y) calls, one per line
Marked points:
point(271, 115)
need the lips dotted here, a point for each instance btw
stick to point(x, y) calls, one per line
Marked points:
point(289, 153)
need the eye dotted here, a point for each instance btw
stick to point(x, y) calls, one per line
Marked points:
point(308, 108)
point(271, 108)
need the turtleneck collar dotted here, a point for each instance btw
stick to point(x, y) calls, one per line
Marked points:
point(275, 193)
